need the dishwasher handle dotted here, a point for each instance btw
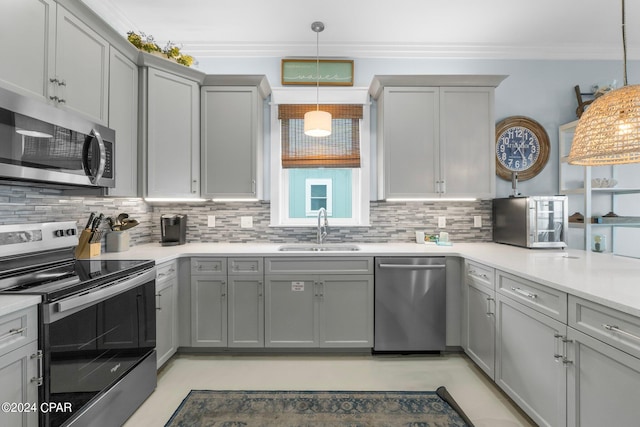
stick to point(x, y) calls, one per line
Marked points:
point(412, 267)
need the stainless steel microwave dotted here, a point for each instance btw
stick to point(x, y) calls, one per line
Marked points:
point(42, 143)
point(531, 222)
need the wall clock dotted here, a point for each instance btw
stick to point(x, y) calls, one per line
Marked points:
point(522, 146)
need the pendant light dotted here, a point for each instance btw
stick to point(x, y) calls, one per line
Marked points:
point(316, 122)
point(608, 133)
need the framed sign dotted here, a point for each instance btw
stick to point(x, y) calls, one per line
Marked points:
point(333, 72)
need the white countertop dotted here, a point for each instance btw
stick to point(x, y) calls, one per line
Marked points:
point(607, 279)
point(12, 303)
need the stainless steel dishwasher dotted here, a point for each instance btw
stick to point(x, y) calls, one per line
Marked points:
point(410, 304)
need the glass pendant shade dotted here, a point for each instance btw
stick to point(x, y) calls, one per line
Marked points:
point(317, 123)
point(608, 132)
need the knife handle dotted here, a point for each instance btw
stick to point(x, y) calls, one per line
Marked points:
point(90, 222)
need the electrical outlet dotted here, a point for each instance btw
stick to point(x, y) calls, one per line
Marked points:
point(442, 222)
point(246, 222)
point(477, 221)
point(211, 221)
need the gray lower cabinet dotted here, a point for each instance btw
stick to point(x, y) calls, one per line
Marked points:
point(319, 311)
point(480, 341)
point(602, 383)
point(526, 365)
point(166, 311)
point(246, 311)
point(19, 366)
point(209, 310)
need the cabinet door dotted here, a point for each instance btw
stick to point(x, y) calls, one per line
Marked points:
point(208, 311)
point(173, 137)
point(246, 311)
point(123, 118)
point(82, 67)
point(28, 26)
point(526, 368)
point(410, 137)
point(346, 311)
point(467, 137)
point(17, 368)
point(230, 132)
point(602, 384)
point(166, 320)
point(481, 327)
point(291, 318)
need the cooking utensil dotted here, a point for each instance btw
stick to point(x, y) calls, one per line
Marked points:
point(128, 223)
point(122, 217)
point(111, 223)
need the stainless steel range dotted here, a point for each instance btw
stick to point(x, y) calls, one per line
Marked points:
point(97, 323)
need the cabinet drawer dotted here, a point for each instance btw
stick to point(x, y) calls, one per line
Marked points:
point(167, 271)
point(245, 266)
point(546, 300)
point(320, 265)
point(480, 274)
point(208, 265)
point(18, 329)
point(621, 330)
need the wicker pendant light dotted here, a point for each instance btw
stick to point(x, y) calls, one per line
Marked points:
point(317, 123)
point(608, 132)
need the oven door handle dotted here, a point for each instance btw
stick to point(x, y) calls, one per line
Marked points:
point(104, 292)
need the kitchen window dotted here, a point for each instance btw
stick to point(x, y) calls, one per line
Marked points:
point(310, 172)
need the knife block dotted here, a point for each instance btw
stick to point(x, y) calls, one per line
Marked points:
point(85, 249)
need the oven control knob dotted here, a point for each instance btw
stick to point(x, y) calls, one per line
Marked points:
point(70, 232)
point(59, 233)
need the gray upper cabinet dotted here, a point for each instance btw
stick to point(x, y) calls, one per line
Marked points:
point(30, 27)
point(410, 150)
point(123, 117)
point(171, 127)
point(435, 136)
point(81, 78)
point(62, 59)
point(232, 136)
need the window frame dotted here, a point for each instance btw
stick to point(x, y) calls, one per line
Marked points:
point(361, 177)
point(328, 185)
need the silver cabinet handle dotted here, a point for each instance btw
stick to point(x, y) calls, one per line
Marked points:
point(260, 291)
point(223, 289)
point(412, 267)
point(524, 293)
point(614, 328)
point(556, 351)
point(12, 332)
point(489, 299)
point(38, 379)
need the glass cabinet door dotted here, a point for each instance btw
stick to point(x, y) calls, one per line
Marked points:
point(549, 220)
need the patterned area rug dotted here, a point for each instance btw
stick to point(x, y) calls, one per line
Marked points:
point(319, 409)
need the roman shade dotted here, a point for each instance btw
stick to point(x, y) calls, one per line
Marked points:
point(341, 149)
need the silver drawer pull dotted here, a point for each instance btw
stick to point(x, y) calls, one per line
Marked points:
point(524, 293)
point(12, 332)
point(614, 328)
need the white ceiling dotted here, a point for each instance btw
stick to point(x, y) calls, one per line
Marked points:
point(536, 29)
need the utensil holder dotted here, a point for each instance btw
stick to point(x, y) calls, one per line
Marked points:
point(117, 241)
point(85, 249)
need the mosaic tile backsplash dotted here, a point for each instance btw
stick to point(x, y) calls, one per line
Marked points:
point(390, 221)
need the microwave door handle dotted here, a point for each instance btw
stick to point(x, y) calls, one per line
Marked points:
point(94, 176)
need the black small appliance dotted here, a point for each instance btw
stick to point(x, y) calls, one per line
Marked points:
point(173, 229)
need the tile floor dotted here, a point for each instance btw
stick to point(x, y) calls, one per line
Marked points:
point(485, 405)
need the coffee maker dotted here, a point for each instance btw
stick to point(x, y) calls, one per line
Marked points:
point(173, 229)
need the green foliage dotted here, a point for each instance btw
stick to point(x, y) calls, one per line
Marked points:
point(146, 43)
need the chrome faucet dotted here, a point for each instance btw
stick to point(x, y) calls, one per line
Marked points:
point(323, 228)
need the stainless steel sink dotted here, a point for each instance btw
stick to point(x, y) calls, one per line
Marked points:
point(318, 248)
